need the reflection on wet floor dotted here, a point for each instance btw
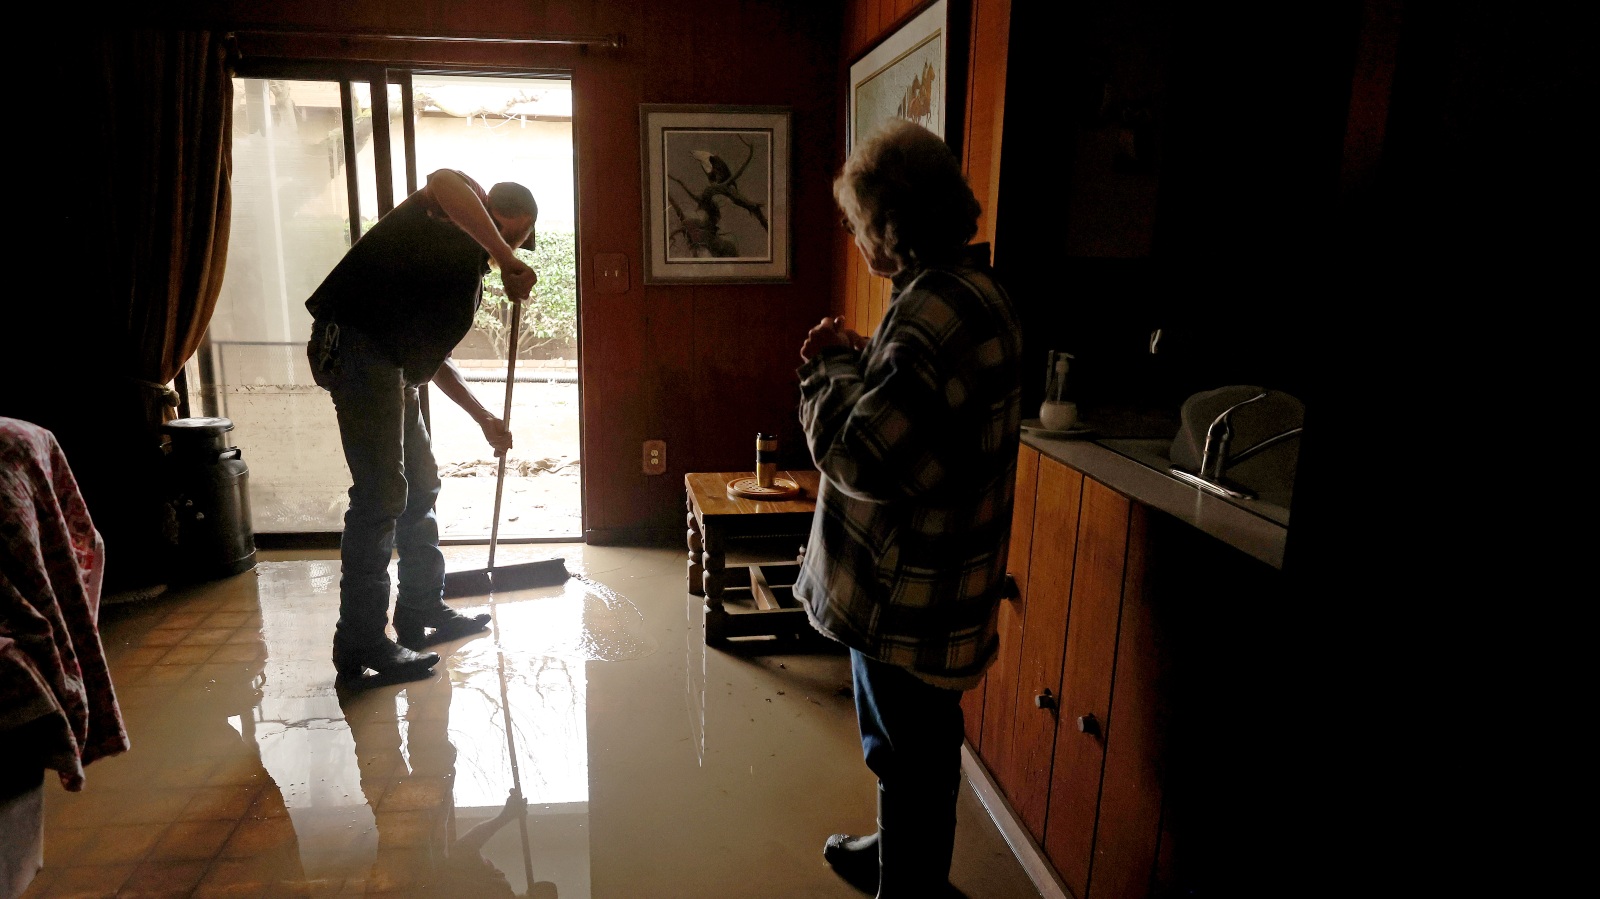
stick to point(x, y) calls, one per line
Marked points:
point(558, 754)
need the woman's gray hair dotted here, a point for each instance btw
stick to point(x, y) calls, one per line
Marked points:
point(903, 190)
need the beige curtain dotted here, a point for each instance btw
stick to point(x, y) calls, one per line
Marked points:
point(172, 98)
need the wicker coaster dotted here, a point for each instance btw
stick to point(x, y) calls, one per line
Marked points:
point(749, 488)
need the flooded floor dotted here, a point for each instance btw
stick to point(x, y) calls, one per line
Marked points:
point(651, 766)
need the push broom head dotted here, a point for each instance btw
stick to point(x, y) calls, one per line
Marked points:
point(522, 576)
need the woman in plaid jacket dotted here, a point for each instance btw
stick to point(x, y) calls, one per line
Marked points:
point(915, 432)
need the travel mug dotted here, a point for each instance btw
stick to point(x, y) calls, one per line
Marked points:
point(766, 459)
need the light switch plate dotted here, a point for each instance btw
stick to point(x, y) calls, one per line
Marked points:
point(611, 272)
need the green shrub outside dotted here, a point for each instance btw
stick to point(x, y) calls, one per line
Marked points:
point(550, 317)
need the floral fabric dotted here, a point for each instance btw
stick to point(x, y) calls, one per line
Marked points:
point(53, 672)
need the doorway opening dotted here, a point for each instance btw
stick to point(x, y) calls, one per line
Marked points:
point(313, 167)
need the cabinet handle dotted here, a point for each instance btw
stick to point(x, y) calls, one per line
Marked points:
point(1010, 590)
point(1089, 724)
point(1045, 700)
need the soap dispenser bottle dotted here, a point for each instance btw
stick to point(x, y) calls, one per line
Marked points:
point(1058, 412)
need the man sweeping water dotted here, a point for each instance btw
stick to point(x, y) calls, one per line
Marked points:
point(385, 322)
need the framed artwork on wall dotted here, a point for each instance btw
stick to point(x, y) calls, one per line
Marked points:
point(911, 74)
point(716, 193)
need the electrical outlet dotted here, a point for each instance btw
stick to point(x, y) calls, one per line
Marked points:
point(655, 457)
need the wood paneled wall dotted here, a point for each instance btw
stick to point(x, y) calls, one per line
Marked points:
point(859, 296)
point(703, 367)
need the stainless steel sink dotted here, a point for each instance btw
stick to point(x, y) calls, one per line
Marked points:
point(1267, 475)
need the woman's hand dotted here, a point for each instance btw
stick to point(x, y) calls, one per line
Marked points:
point(830, 332)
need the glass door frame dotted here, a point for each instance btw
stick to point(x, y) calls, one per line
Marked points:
point(380, 78)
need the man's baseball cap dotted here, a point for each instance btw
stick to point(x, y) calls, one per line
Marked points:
point(511, 198)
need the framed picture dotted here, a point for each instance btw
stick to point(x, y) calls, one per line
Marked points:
point(716, 193)
point(908, 75)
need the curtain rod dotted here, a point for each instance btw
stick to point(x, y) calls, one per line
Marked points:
point(576, 40)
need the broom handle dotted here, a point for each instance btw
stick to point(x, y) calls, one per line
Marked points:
point(511, 742)
point(494, 536)
point(511, 753)
point(511, 379)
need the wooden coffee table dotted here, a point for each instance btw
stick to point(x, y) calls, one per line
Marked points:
point(743, 554)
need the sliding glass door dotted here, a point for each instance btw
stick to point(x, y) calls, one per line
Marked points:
point(310, 156)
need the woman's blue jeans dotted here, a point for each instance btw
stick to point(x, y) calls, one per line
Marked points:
point(394, 483)
point(911, 731)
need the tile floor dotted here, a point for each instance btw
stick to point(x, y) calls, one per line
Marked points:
point(652, 767)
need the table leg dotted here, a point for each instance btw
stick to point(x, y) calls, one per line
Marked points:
point(713, 578)
point(695, 547)
point(713, 561)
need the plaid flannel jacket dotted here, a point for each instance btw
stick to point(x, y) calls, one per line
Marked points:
point(916, 439)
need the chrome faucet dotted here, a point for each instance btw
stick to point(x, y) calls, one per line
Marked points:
point(1214, 458)
point(1266, 444)
point(1219, 437)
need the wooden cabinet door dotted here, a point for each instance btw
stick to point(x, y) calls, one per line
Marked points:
point(1128, 826)
point(1086, 677)
point(1121, 620)
point(990, 708)
point(1045, 626)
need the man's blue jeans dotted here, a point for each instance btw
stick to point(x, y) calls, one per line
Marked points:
point(394, 482)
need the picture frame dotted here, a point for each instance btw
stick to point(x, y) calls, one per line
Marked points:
point(914, 72)
point(716, 193)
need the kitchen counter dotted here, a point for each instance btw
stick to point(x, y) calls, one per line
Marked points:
point(1261, 533)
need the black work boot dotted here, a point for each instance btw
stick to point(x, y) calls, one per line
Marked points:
point(420, 629)
point(388, 659)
